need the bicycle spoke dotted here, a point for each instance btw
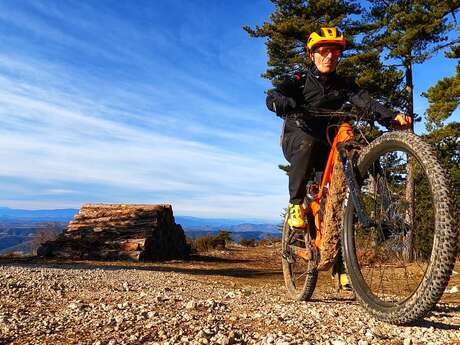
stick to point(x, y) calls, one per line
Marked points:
point(299, 276)
point(386, 248)
point(400, 261)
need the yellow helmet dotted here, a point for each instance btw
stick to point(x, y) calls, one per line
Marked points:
point(326, 36)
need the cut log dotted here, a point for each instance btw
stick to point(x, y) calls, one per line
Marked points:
point(119, 232)
point(127, 245)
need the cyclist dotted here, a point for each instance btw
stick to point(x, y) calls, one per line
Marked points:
point(303, 139)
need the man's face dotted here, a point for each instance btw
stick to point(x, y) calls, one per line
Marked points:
point(326, 58)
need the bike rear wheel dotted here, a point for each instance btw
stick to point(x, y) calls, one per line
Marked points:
point(400, 266)
point(300, 275)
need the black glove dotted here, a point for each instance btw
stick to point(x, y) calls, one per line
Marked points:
point(279, 103)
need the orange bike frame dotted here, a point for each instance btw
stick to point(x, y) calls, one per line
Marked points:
point(344, 134)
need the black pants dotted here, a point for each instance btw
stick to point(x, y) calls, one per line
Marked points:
point(305, 153)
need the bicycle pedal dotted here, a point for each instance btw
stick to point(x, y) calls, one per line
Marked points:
point(294, 228)
point(346, 287)
point(288, 257)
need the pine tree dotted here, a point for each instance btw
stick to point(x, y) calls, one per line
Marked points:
point(410, 31)
point(383, 45)
point(289, 27)
point(446, 140)
point(444, 97)
point(292, 22)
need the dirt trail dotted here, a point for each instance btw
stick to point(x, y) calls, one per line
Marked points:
point(224, 297)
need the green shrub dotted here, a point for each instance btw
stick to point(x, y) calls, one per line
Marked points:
point(269, 241)
point(248, 242)
point(209, 242)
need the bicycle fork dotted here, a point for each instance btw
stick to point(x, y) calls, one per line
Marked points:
point(353, 189)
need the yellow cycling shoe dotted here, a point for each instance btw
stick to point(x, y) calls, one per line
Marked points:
point(296, 216)
point(339, 273)
point(344, 283)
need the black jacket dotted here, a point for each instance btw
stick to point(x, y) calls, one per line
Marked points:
point(309, 91)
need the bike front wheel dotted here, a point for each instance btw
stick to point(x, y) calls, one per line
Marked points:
point(400, 265)
point(300, 275)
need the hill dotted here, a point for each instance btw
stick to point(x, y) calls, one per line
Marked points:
point(57, 215)
point(18, 226)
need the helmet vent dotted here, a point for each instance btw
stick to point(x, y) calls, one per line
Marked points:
point(326, 36)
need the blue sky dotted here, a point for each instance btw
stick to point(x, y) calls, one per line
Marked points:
point(143, 102)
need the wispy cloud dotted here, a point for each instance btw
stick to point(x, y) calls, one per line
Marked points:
point(140, 129)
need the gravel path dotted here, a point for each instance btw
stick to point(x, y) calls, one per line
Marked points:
point(49, 303)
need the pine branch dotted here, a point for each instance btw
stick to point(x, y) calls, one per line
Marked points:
point(442, 46)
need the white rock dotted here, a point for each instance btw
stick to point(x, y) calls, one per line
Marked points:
point(223, 340)
point(191, 304)
point(315, 313)
point(74, 306)
point(338, 342)
point(369, 334)
point(210, 303)
point(230, 295)
point(281, 342)
point(269, 340)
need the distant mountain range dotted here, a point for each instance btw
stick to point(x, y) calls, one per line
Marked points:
point(60, 215)
point(187, 222)
point(18, 226)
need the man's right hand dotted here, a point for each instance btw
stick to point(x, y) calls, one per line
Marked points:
point(279, 103)
point(402, 121)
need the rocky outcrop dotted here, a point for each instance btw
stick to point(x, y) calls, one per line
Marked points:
point(117, 231)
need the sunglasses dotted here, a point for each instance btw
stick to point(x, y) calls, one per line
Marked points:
point(324, 51)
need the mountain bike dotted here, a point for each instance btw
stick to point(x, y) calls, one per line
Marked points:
point(398, 242)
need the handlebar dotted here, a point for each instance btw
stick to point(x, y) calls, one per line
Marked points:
point(318, 113)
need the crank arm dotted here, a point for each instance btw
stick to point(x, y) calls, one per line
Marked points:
point(304, 253)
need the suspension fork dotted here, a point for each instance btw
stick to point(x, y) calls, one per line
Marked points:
point(352, 184)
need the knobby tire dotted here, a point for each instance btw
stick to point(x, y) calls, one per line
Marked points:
point(445, 235)
point(295, 289)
